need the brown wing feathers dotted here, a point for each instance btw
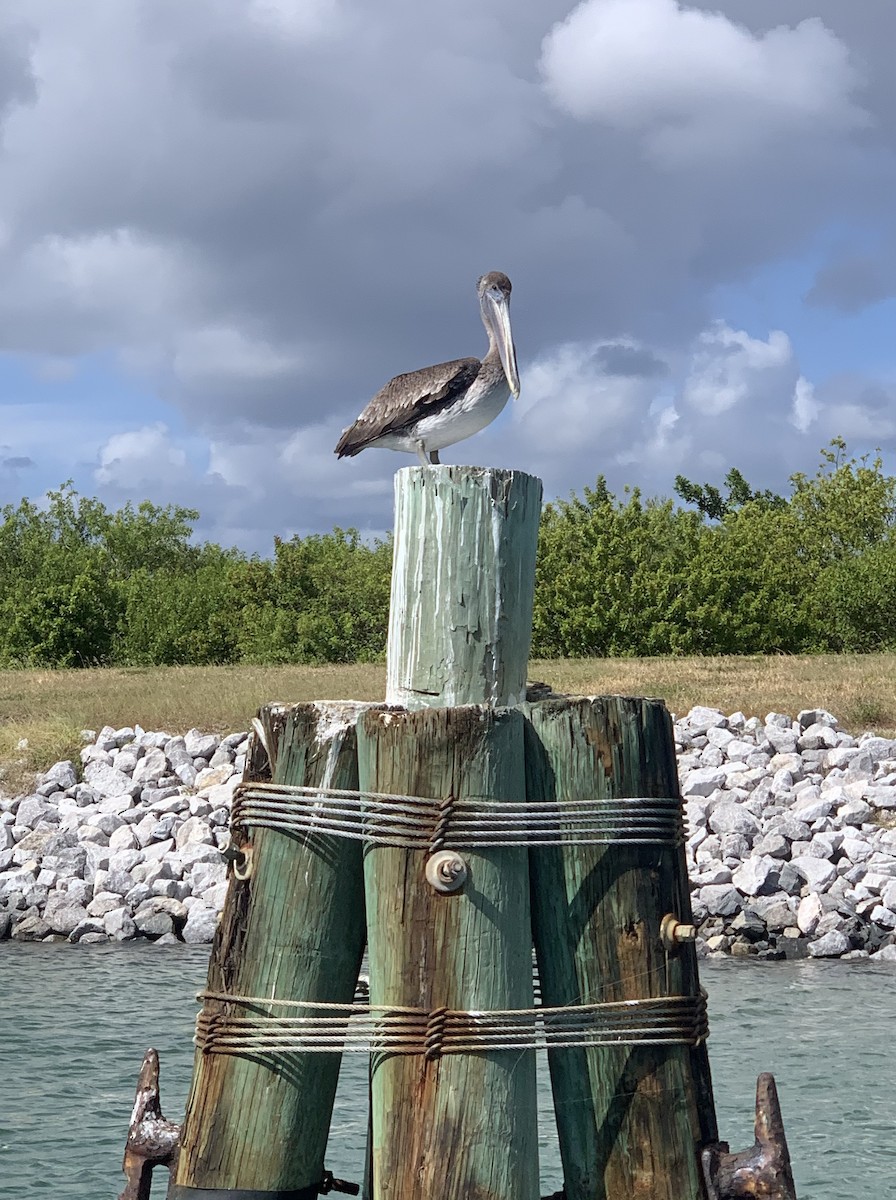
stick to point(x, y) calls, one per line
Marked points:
point(405, 399)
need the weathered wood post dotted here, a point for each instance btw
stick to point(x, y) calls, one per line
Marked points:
point(292, 929)
point(463, 583)
point(631, 1118)
point(460, 627)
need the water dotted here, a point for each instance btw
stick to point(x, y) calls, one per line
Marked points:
point(75, 1020)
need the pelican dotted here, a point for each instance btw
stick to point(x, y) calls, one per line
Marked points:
point(426, 410)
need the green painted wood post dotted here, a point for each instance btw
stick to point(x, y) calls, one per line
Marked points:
point(463, 581)
point(631, 1120)
point(460, 628)
point(460, 1125)
point(293, 930)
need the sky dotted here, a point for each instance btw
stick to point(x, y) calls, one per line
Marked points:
point(224, 225)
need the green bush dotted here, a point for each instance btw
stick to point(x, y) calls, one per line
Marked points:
point(732, 570)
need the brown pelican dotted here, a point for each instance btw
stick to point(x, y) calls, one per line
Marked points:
point(426, 410)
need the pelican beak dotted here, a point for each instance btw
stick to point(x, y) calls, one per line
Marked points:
point(499, 322)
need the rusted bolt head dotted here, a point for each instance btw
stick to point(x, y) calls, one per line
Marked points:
point(446, 871)
point(673, 932)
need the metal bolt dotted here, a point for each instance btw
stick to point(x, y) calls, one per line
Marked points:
point(446, 871)
point(673, 932)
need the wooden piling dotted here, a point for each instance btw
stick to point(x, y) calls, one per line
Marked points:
point(293, 929)
point(463, 579)
point(458, 1125)
point(460, 628)
point(631, 1119)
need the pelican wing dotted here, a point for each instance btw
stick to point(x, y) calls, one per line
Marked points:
point(405, 399)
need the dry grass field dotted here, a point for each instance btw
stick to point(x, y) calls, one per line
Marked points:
point(49, 708)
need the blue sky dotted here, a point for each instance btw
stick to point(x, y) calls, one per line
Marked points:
point(224, 225)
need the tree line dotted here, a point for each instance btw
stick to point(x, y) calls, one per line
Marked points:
point(719, 570)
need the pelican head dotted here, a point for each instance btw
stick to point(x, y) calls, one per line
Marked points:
point(494, 303)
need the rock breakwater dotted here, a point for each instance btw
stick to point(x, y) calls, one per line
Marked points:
point(791, 837)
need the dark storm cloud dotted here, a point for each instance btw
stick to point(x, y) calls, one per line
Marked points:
point(617, 358)
point(17, 82)
point(17, 462)
point(852, 284)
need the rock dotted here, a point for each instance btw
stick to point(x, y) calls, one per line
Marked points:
point(36, 808)
point(748, 924)
point(812, 807)
point(883, 798)
point(885, 954)
point(884, 917)
point(125, 761)
point(741, 948)
point(702, 782)
point(61, 773)
point(125, 860)
point(31, 928)
point(201, 924)
point(153, 924)
point(757, 875)
point(213, 776)
point(107, 781)
point(104, 902)
point(778, 914)
point(877, 747)
point(138, 895)
point(816, 716)
point(158, 851)
point(816, 872)
point(809, 913)
point(772, 845)
point(221, 795)
point(36, 844)
point(119, 924)
point(194, 831)
point(78, 891)
point(198, 852)
point(832, 945)
point(733, 818)
point(721, 899)
point(186, 773)
point(122, 838)
point(63, 915)
point(151, 767)
point(817, 737)
point(88, 925)
point(200, 745)
point(113, 881)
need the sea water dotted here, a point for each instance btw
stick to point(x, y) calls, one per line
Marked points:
point(75, 1021)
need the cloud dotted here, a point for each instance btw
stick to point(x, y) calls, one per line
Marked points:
point(805, 406)
point(246, 215)
point(17, 462)
point(132, 460)
point(695, 83)
point(852, 283)
point(728, 365)
point(628, 359)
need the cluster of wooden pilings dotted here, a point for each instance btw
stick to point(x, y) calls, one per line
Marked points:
point(449, 921)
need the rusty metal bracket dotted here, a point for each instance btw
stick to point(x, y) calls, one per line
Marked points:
point(330, 1183)
point(763, 1170)
point(152, 1140)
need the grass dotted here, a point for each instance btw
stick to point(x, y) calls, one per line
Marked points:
point(48, 709)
